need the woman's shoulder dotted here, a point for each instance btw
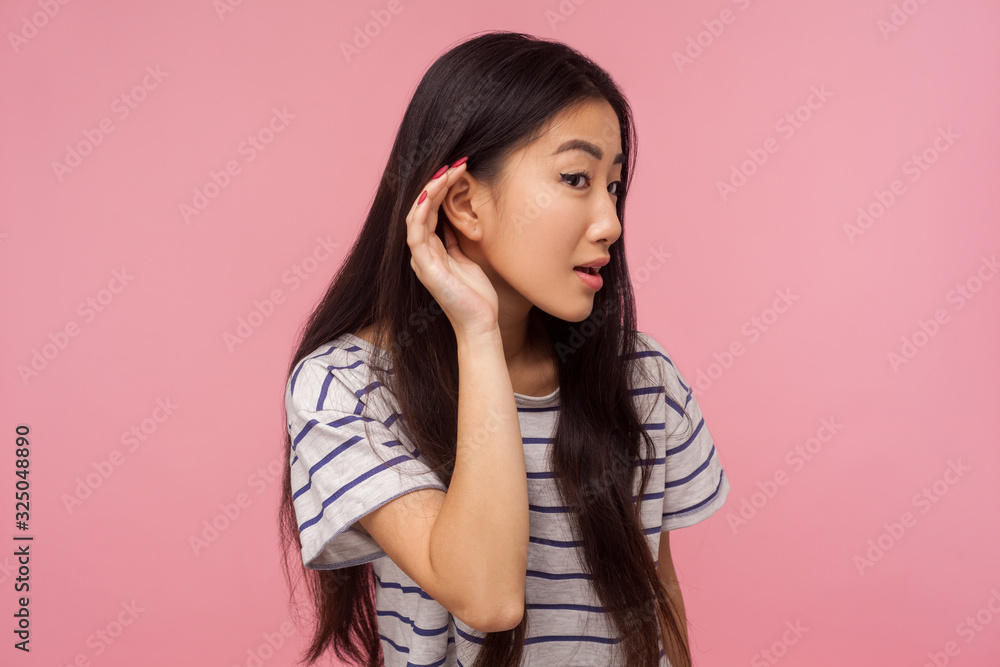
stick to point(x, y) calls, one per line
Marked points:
point(332, 352)
point(662, 368)
point(339, 367)
point(366, 334)
point(649, 343)
point(653, 355)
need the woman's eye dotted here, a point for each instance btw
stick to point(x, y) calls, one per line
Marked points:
point(586, 176)
point(570, 177)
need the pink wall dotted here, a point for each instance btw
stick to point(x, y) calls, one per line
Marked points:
point(869, 544)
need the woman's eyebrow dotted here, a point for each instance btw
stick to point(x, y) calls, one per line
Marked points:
point(587, 147)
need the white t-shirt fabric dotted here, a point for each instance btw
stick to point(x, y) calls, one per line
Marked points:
point(336, 479)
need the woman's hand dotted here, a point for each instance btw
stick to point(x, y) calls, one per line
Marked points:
point(457, 283)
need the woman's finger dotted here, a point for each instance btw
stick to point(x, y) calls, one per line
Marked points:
point(422, 219)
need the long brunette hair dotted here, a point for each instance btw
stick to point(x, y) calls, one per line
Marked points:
point(487, 98)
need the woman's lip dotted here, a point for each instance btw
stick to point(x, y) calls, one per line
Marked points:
point(594, 282)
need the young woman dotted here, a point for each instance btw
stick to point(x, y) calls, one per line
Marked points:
point(485, 458)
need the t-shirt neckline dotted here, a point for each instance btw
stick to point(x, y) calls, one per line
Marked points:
point(521, 398)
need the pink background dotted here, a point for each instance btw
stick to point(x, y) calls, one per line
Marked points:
point(792, 558)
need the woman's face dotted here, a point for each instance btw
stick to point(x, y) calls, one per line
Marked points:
point(556, 210)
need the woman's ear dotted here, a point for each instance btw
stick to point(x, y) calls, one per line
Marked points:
point(463, 199)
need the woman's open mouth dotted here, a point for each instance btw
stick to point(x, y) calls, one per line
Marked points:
point(589, 276)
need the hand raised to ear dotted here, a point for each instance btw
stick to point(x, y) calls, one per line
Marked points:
point(457, 283)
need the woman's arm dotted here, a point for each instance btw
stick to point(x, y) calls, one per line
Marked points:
point(472, 547)
point(468, 548)
point(665, 568)
point(480, 539)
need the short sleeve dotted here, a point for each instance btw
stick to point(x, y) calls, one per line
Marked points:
point(336, 478)
point(695, 482)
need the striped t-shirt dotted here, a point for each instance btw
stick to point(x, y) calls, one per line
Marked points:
point(336, 479)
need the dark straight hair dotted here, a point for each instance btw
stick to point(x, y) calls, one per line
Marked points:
point(487, 98)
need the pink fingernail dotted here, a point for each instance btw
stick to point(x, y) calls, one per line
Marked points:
point(458, 162)
point(423, 196)
point(439, 172)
